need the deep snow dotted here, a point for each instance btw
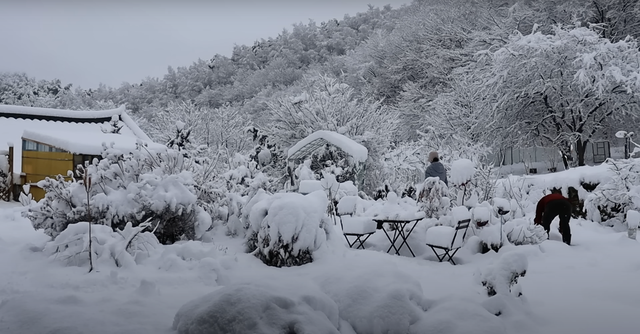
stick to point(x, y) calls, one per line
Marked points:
point(590, 287)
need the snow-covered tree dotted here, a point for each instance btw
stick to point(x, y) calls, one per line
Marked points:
point(325, 103)
point(558, 88)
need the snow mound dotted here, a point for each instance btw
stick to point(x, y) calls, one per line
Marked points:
point(633, 219)
point(249, 308)
point(446, 315)
point(377, 300)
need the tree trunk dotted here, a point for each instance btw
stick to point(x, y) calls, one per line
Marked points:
point(565, 161)
point(581, 147)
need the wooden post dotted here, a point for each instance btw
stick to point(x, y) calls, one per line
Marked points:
point(10, 165)
point(9, 191)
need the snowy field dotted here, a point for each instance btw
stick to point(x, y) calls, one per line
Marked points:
point(590, 287)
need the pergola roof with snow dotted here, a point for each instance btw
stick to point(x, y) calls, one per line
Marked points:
point(318, 139)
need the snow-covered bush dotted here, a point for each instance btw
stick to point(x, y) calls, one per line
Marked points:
point(610, 201)
point(122, 248)
point(286, 228)
point(260, 309)
point(433, 198)
point(471, 183)
point(501, 277)
point(135, 188)
point(521, 231)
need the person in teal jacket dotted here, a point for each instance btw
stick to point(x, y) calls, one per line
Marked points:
point(436, 168)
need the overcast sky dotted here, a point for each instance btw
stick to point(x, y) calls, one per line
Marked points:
point(86, 42)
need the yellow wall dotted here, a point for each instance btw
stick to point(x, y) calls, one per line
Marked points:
point(38, 165)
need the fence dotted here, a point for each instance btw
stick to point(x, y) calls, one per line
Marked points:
point(548, 159)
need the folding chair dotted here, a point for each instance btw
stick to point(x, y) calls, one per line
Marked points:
point(448, 239)
point(359, 227)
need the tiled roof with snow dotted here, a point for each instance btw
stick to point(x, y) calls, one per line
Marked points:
point(319, 138)
point(79, 126)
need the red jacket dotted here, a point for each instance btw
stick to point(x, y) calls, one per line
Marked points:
point(543, 203)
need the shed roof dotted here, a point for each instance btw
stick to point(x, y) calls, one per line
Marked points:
point(76, 126)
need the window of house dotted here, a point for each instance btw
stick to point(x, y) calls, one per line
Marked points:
point(28, 145)
point(80, 159)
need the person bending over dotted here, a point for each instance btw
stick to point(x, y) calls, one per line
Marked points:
point(551, 206)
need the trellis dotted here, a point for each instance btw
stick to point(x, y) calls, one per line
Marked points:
point(308, 149)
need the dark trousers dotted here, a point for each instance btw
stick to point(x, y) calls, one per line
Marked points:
point(558, 208)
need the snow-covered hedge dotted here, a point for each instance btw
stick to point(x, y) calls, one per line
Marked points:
point(135, 188)
point(286, 228)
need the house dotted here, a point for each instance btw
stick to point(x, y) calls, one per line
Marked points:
point(53, 141)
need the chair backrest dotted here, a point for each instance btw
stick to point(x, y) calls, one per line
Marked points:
point(460, 226)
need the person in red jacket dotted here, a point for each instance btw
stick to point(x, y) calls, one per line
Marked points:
point(551, 206)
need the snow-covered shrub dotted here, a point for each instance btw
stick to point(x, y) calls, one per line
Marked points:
point(286, 228)
point(304, 172)
point(471, 183)
point(260, 309)
point(462, 172)
point(122, 248)
point(521, 231)
point(135, 188)
point(610, 201)
point(501, 277)
point(433, 198)
point(403, 167)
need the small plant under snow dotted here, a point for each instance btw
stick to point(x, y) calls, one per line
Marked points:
point(122, 248)
point(501, 277)
point(433, 198)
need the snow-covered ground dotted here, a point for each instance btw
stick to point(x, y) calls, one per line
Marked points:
point(590, 287)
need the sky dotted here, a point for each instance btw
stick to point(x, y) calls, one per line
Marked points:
point(88, 42)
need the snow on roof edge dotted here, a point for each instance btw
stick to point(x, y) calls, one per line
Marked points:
point(351, 147)
point(79, 114)
point(93, 144)
point(128, 121)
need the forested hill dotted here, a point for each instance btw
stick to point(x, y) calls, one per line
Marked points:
point(457, 75)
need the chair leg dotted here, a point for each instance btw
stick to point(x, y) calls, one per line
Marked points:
point(358, 241)
point(437, 255)
point(452, 255)
point(362, 241)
